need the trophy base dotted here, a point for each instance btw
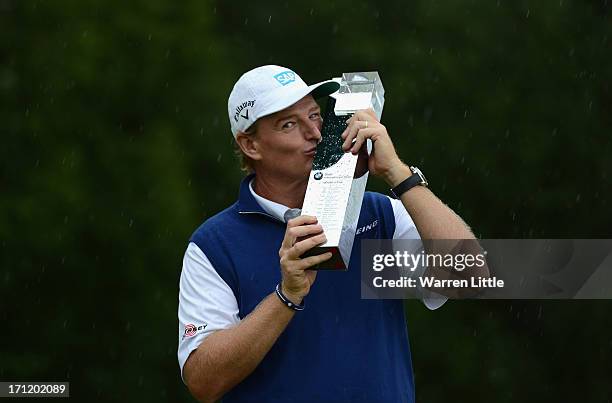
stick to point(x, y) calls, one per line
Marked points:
point(335, 263)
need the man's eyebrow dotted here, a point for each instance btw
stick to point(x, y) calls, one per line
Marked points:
point(284, 117)
point(293, 115)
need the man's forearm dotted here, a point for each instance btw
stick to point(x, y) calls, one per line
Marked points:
point(228, 356)
point(432, 218)
point(435, 220)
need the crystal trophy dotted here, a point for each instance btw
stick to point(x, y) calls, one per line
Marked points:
point(338, 179)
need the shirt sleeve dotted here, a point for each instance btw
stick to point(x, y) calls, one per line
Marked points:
point(406, 229)
point(206, 302)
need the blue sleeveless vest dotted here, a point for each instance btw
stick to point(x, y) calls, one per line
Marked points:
point(340, 348)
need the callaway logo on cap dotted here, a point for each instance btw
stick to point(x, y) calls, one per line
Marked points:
point(266, 90)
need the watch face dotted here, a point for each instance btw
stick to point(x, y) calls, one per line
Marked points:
point(418, 172)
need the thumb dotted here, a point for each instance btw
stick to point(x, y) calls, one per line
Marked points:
point(311, 275)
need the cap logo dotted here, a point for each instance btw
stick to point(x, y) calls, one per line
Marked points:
point(285, 77)
point(240, 107)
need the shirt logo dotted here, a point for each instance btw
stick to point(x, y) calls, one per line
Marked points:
point(191, 330)
point(366, 228)
point(285, 77)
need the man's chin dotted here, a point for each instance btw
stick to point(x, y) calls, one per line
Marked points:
point(305, 173)
point(308, 168)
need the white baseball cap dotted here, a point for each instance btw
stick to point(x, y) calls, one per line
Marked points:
point(268, 89)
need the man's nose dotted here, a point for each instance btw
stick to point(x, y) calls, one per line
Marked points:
point(312, 130)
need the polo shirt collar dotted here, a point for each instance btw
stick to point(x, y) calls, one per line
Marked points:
point(251, 203)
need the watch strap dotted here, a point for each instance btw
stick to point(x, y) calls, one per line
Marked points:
point(407, 184)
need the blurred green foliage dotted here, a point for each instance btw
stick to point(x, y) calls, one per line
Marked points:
point(116, 145)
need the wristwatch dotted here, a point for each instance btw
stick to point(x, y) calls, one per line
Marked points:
point(416, 179)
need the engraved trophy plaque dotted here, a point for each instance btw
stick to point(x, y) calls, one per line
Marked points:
point(338, 179)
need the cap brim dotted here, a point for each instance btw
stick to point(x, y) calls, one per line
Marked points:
point(324, 88)
point(317, 90)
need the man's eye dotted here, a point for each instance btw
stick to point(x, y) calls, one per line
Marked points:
point(315, 116)
point(288, 125)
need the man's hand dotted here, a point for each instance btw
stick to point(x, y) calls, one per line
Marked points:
point(297, 280)
point(383, 160)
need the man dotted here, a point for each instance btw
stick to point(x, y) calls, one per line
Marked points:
point(313, 339)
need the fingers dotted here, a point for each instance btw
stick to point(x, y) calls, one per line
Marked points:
point(361, 125)
point(351, 131)
point(315, 260)
point(355, 139)
point(301, 220)
point(307, 262)
point(366, 114)
point(305, 230)
point(371, 113)
point(361, 137)
point(301, 247)
point(292, 232)
point(290, 260)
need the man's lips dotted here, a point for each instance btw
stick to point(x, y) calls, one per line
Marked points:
point(311, 151)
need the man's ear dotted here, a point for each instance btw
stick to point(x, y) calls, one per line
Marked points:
point(249, 146)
